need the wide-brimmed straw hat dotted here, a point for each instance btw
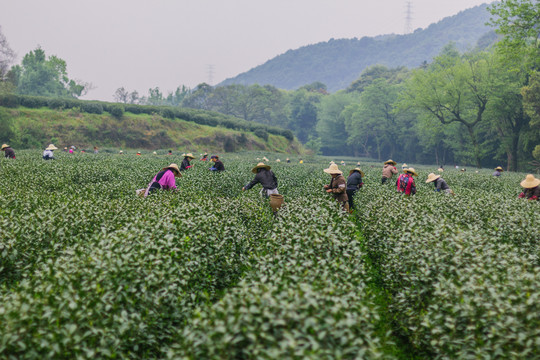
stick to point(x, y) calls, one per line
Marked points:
point(4, 146)
point(333, 169)
point(530, 182)
point(189, 155)
point(499, 168)
point(410, 170)
point(356, 169)
point(175, 168)
point(432, 177)
point(51, 147)
point(260, 165)
point(390, 161)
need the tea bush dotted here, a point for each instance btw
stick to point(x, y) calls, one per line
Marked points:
point(90, 270)
point(462, 272)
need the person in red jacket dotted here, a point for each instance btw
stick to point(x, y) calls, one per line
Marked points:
point(531, 187)
point(405, 182)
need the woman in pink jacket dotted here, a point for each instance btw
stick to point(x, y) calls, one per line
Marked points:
point(164, 180)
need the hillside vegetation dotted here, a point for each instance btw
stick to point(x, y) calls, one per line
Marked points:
point(86, 124)
point(338, 62)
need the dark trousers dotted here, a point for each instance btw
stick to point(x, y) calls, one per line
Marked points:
point(383, 180)
point(350, 195)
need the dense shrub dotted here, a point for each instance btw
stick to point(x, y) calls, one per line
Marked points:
point(9, 100)
point(261, 133)
point(92, 108)
point(117, 111)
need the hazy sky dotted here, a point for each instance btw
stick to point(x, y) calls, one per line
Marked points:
point(139, 44)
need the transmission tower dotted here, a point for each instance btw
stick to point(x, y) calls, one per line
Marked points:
point(210, 73)
point(408, 18)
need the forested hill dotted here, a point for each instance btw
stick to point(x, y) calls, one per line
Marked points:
point(337, 63)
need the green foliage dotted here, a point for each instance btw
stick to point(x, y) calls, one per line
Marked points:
point(45, 76)
point(517, 21)
point(90, 270)
point(117, 111)
point(461, 271)
point(261, 133)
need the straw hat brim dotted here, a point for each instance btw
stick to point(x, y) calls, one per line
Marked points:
point(433, 178)
point(499, 168)
point(4, 146)
point(333, 171)
point(410, 171)
point(259, 166)
point(530, 182)
point(51, 148)
point(190, 155)
point(356, 169)
point(175, 168)
point(390, 162)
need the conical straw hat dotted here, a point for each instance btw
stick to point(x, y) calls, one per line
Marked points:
point(333, 169)
point(356, 169)
point(260, 165)
point(51, 147)
point(530, 182)
point(499, 168)
point(432, 177)
point(390, 161)
point(175, 168)
point(410, 170)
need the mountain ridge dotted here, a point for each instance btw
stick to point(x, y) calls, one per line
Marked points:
point(338, 62)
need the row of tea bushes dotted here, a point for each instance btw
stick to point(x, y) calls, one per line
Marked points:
point(461, 272)
point(88, 269)
point(306, 300)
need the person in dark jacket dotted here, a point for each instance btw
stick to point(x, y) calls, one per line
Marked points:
point(531, 187)
point(439, 183)
point(8, 151)
point(337, 186)
point(354, 182)
point(218, 165)
point(186, 162)
point(265, 177)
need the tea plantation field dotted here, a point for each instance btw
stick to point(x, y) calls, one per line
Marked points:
point(88, 270)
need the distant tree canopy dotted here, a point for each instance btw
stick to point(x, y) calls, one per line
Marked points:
point(519, 23)
point(40, 75)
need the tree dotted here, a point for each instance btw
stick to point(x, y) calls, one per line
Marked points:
point(331, 122)
point(198, 98)
point(121, 95)
point(42, 76)
point(454, 88)
point(375, 118)
point(6, 56)
point(303, 113)
point(519, 23)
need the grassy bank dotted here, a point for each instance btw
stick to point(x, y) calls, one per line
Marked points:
point(33, 128)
